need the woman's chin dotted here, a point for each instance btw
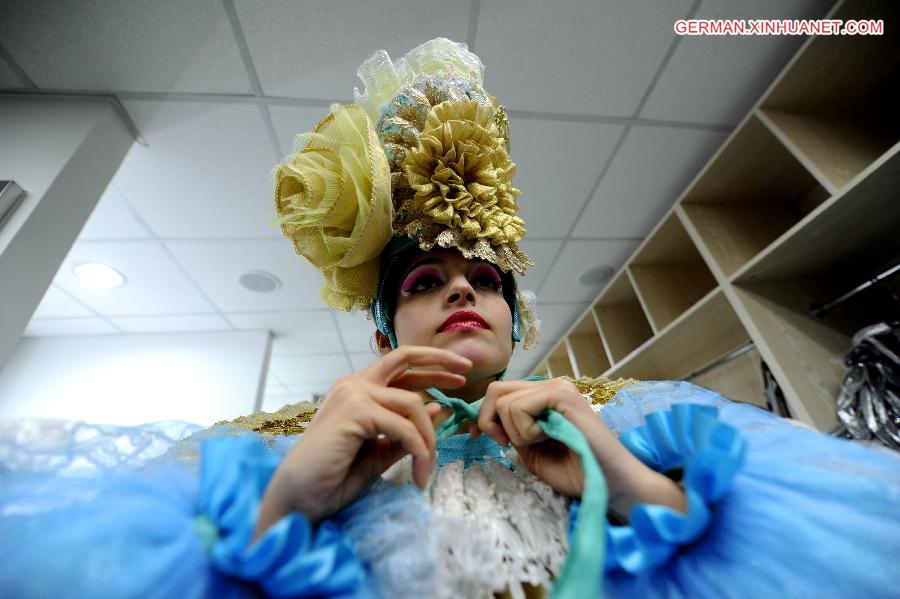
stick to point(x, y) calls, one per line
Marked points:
point(485, 356)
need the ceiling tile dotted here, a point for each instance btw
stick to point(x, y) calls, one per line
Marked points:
point(557, 165)
point(113, 218)
point(216, 266)
point(589, 57)
point(160, 46)
point(8, 77)
point(542, 252)
point(716, 79)
point(310, 370)
point(154, 284)
point(516, 374)
point(272, 403)
point(539, 354)
point(276, 401)
point(524, 361)
point(273, 387)
point(556, 320)
point(357, 331)
point(291, 120)
point(361, 360)
point(58, 327)
point(320, 389)
point(650, 171)
point(57, 304)
point(205, 173)
point(172, 324)
point(313, 49)
point(578, 257)
point(295, 333)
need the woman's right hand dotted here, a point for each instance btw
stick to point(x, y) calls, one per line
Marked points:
point(368, 421)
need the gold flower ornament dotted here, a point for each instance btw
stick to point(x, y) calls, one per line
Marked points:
point(461, 174)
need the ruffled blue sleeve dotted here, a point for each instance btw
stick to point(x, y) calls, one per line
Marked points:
point(774, 509)
point(691, 438)
point(164, 531)
point(292, 559)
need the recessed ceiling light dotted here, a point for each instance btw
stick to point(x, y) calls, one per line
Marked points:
point(259, 281)
point(97, 275)
point(596, 276)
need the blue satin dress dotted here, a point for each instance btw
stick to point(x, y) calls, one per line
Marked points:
point(774, 509)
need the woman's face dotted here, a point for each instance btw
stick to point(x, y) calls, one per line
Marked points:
point(453, 303)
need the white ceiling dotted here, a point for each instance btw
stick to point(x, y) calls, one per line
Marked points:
point(611, 115)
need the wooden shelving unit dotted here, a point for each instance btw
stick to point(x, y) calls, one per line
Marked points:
point(798, 205)
point(669, 274)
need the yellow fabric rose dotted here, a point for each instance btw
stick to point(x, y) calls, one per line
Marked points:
point(462, 174)
point(333, 199)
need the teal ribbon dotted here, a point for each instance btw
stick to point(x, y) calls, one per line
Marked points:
point(206, 531)
point(583, 569)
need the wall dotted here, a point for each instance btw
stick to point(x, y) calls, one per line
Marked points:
point(130, 379)
point(63, 154)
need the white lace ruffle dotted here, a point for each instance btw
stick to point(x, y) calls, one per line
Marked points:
point(497, 528)
point(72, 448)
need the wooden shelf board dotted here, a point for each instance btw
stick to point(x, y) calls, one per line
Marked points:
point(804, 354)
point(668, 291)
point(642, 301)
point(707, 331)
point(586, 345)
point(734, 234)
point(754, 167)
point(606, 347)
point(625, 328)
point(857, 225)
point(739, 379)
point(702, 247)
point(669, 243)
point(834, 152)
point(618, 291)
point(831, 73)
point(668, 274)
point(559, 363)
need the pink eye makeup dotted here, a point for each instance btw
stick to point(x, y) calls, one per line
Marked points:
point(486, 276)
point(422, 279)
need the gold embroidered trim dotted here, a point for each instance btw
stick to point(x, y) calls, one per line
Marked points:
point(600, 389)
point(291, 419)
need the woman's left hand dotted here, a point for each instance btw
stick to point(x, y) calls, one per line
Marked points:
point(509, 414)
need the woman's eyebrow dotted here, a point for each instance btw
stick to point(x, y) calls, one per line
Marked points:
point(432, 260)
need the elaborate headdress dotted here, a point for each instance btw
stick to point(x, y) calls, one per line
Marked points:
point(421, 157)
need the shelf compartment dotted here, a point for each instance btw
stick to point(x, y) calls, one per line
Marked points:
point(857, 227)
point(842, 118)
point(709, 330)
point(558, 362)
point(752, 192)
point(621, 318)
point(586, 347)
point(739, 379)
point(669, 274)
point(804, 353)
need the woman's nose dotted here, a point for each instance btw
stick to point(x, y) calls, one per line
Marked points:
point(460, 291)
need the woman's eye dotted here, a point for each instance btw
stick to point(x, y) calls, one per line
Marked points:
point(487, 281)
point(423, 283)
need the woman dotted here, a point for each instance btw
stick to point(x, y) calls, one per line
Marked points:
point(404, 201)
point(454, 330)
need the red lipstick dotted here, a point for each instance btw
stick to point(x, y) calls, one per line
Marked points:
point(464, 319)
